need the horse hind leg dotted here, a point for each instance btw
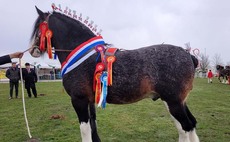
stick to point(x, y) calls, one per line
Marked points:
point(86, 119)
point(181, 116)
point(192, 134)
point(226, 80)
point(183, 136)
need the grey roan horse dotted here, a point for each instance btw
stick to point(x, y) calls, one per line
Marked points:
point(162, 71)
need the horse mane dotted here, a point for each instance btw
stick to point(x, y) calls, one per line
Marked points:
point(65, 17)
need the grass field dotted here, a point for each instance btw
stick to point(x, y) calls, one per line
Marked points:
point(145, 121)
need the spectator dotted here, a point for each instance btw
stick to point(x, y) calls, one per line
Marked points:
point(7, 58)
point(210, 75)
point(30, 78)
point(13, 74)
point(51, 75)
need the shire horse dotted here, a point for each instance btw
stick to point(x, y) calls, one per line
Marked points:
point(161, 71)
point(223, 72)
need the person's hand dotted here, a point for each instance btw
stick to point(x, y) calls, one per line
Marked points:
point(16, 55)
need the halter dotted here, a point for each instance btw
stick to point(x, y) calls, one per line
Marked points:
point(46, 34)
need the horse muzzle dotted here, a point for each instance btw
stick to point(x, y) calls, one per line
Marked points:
point(35, 51)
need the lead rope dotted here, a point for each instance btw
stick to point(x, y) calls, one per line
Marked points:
point(23, 99)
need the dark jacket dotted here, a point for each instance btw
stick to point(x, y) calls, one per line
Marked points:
point(29, 77)
point(13, 74)
point(5, 59)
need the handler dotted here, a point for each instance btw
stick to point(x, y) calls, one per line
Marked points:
point(30, 78)
point(7, 58)
point(13, 74)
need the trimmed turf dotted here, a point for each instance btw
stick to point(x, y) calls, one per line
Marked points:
point(145, 121)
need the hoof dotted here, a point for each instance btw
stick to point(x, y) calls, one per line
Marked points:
point(155, 97)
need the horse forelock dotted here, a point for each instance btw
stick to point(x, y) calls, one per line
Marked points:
point(36, 26)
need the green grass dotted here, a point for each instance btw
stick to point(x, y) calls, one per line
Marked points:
point(145, 121)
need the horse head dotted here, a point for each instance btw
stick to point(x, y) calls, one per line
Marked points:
point(219, 67)
point(54, 29)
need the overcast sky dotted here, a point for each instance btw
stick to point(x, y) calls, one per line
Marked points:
point(129, 24)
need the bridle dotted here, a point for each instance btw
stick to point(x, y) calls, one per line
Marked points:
point(44, 37)
point(75, 56)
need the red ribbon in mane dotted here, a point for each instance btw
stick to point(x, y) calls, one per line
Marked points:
point(45, 33)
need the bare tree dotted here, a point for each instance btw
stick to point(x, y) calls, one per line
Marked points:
point(216, 60)
point(204, 63)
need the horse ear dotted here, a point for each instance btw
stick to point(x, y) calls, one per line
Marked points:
point(40, 13)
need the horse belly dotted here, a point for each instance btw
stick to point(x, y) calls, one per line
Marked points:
point(133, 92)
point(130, 98)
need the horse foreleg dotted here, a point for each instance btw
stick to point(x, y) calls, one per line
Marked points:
point(93, 123)
point(185, 126)
point(219, 78)
point(81, 106)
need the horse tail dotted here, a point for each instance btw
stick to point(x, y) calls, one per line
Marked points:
point(195, 61)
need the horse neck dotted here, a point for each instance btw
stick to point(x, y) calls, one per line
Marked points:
point(67, 35)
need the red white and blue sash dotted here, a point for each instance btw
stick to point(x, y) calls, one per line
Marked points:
point(80, 54)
